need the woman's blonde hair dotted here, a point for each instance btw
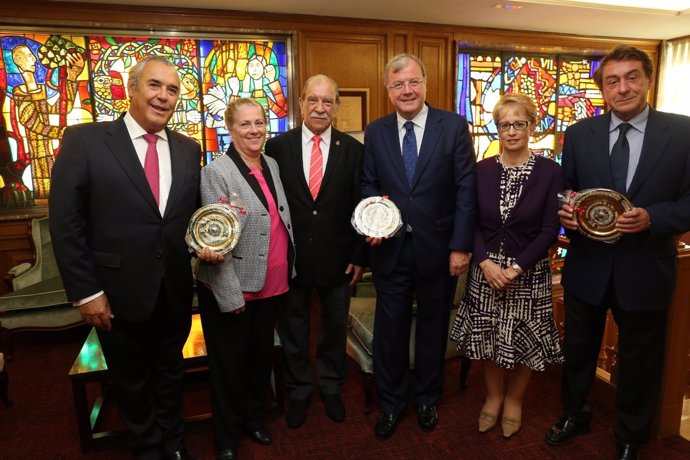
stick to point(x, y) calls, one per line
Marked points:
point(517, 102)
point(233, 106)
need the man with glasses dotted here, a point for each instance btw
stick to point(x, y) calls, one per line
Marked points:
point(645, 155)
point(422, 159)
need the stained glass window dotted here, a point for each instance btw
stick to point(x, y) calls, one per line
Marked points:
point(242, 69)
point(48, 82)
point(562, 88)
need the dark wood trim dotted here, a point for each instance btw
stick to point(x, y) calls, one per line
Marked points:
point(164, 19)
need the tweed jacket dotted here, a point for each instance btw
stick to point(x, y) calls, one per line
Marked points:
point(244, 269)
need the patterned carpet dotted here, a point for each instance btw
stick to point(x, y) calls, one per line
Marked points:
point(41, 423)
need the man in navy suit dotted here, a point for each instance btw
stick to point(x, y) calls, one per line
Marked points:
point(422, 159)
point(634, 276)
point(118, 237)
point(329, 252)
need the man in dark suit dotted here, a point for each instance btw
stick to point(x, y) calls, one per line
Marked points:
point(634, 277)
point(435, 193)
point(320, 170)
point(118, 235)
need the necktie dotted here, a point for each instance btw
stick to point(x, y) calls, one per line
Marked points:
point(409, 151)
point(315, 167)
point(151, 165)
point(620, 154)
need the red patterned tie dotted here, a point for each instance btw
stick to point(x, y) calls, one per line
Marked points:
point(151, 165)
point(315, 167)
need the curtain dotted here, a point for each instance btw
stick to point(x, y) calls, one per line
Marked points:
point(673, 77)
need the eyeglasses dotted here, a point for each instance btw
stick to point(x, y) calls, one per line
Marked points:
point(518, 125)
point(398, 85)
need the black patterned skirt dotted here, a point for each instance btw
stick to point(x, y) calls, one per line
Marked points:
point(509, 327)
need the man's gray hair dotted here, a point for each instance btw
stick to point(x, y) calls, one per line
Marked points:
point(321, 76)
point(138, 69)
point(396, 64)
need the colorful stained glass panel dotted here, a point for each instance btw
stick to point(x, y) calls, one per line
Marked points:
point(48, 82)
point(43, 89)
point(561, 87)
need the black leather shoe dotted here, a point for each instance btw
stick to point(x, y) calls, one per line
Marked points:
point(226, 454)
point(385, 426)
point(181, 454)
point(334, 407)
point(563, 431)
point(427, 417)
point(627, 451)
point(296, 413)
point(260, 435)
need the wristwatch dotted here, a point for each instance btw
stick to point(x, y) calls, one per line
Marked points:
point(517, 268)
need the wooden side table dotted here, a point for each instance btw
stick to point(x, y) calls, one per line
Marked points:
point(90, 367)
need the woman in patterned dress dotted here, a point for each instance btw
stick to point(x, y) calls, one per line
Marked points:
point(506, 317)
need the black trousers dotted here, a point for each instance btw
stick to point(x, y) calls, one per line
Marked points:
point(395, 293)
point(641, 344)
point(294, 320)
point(145, 364)
point(239, 347)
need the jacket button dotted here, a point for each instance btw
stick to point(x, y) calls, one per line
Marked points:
point(315, 212)
point(282, 208)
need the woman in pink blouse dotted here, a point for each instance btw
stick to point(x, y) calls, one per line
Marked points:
point(239, 293)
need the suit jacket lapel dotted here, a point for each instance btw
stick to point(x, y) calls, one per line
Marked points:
point(432, 133)
point(598, 145)
point(653, 146)
point(334, 156)
point(120, 145)
point(177, 167)
point(295, 150)
point(391, 139)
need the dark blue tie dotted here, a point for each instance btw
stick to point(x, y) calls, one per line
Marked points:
point(409, 151)
point(620, 156)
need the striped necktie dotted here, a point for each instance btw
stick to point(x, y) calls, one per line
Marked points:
point(315, 167)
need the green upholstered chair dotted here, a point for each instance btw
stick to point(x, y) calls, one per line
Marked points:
point(38, 300)
point(360, 336)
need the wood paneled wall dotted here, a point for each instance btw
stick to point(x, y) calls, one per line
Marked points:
point(352, 51)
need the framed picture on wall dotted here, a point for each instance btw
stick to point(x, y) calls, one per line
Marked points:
point(353, 114)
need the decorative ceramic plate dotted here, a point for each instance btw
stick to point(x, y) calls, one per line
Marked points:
point(215, 226)
point(377, 217)
point(597, 211)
